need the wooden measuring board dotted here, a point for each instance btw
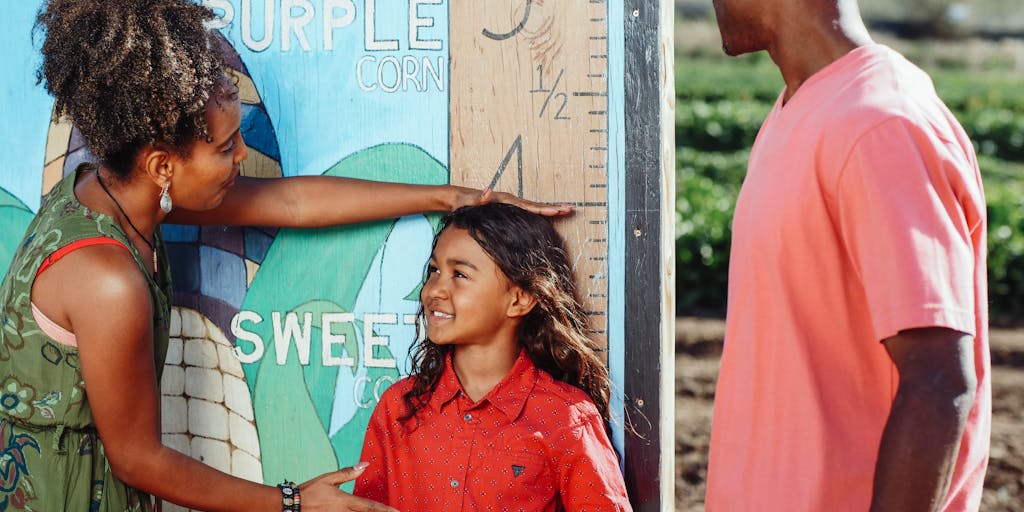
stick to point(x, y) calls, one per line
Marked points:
point(529, 116)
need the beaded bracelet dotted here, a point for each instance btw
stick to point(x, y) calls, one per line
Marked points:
point(290, 498)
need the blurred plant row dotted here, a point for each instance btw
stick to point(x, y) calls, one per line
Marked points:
point(720, 105)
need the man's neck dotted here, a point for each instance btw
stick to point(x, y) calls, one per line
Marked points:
point(810, 41)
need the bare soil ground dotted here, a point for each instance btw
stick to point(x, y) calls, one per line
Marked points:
point(698, 348)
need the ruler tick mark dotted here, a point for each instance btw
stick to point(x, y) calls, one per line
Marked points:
point(600, 204)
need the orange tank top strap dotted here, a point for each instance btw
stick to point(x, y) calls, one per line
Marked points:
point(73, 246)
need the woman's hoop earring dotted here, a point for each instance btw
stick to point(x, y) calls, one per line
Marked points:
point(165, 198)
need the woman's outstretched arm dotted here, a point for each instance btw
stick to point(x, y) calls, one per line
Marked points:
point(317, 201)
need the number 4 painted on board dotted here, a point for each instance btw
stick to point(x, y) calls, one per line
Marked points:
point(517, 149)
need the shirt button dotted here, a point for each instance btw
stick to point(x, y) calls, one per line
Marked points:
point(468, 417)
point(455, 483)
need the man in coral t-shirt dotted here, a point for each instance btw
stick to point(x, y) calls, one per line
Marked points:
point(855, 373)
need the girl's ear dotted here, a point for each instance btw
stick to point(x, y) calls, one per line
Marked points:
point(522, 303)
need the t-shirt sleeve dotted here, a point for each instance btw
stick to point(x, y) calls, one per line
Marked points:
point(905, 201)
point(588, 471)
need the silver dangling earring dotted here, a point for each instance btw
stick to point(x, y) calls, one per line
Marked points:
point(165, 198)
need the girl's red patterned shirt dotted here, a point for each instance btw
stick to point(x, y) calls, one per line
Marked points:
point(532, 443)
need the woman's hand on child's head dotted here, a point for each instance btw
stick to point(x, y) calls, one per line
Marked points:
point(322, 493)
point(471, 197)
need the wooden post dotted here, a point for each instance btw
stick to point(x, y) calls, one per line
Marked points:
point(650, 269)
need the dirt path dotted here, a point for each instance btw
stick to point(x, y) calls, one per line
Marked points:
point(698, 347)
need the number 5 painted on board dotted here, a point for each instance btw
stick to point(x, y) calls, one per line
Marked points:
point(514, 31)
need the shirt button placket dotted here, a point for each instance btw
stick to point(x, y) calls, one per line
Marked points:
point(458, 488)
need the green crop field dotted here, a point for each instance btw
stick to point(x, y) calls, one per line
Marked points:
point(1005, 15)
point(721, 102)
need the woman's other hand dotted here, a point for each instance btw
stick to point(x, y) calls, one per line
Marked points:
point(322, 493)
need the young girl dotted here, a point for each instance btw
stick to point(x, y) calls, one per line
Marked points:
point(507, 402)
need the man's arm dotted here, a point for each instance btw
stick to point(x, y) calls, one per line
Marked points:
point(937, 383)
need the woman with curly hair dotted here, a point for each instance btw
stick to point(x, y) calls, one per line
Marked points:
point(86, 302)
point(507, 404)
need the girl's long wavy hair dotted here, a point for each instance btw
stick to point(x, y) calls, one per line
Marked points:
point(531, 254)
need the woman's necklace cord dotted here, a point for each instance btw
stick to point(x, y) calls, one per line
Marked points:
point(127, 218)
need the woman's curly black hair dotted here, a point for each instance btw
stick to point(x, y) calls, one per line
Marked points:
point(531, 254)
point(130, 73)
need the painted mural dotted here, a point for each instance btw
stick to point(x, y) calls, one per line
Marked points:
point(282, 340)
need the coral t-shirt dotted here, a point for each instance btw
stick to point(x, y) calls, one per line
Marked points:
point(862, 214)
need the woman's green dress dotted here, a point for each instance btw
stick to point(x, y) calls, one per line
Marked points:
point(51, 458)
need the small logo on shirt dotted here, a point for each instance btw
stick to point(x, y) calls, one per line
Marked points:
point(517, 469)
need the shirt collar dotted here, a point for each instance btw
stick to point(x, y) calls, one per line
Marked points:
point(509, 396)
point(448, 386)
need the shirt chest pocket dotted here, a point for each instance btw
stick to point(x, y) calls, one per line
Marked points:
point(516, 474)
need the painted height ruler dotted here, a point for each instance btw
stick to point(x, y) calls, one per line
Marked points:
point(529, 116)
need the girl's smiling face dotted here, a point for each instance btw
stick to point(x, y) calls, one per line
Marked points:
point(466, 298)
